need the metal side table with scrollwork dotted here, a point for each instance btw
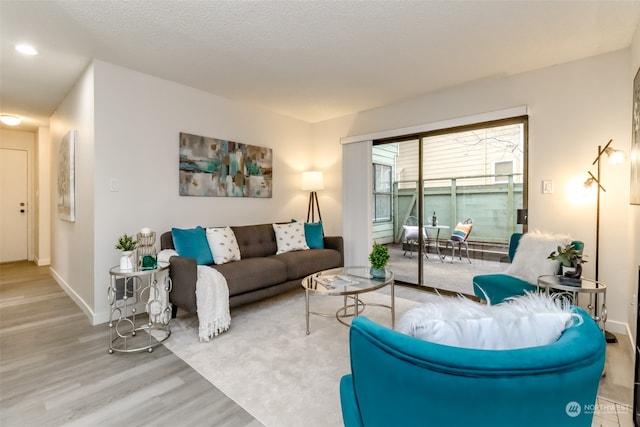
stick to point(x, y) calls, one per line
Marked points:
point(560, 287)
point(131, 294)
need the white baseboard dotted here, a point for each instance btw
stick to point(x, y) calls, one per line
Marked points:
point(618, 327)
point(73, 295)
point(44, 261)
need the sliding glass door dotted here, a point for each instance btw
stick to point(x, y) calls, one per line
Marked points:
point(474, 176)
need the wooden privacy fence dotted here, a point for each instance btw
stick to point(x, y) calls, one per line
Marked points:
point(493, 207)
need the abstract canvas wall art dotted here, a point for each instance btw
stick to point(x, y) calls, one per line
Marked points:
point(66, 177)
point(211, 167)
point(635, 143)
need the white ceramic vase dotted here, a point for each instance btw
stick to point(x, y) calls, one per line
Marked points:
point(127, 261)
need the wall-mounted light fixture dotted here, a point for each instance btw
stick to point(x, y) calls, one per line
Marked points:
point(313, 181)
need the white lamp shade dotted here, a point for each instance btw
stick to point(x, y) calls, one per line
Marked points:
point(312, 181)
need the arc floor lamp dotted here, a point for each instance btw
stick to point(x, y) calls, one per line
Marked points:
point(616, 157)
point(313, 181)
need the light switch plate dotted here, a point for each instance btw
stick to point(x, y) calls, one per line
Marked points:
point(547, 187)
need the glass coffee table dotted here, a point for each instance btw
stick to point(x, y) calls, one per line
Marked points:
point(349, 282)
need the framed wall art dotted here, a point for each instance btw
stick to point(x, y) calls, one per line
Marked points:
point(66, 177)
point(211, 167)
point(635, 143)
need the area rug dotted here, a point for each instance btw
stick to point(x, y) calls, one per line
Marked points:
point(268, 365)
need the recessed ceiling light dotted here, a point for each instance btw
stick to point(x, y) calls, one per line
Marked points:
point(10, 120)
point(26, 49)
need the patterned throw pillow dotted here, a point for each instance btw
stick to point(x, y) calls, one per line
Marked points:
point(223, 245)
point(460, 232)
point(290, 237)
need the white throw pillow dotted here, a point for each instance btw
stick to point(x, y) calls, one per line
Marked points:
point(223, 245)
point(530, 260)
point(410, 232)
point(290, 237)
point(528, 321)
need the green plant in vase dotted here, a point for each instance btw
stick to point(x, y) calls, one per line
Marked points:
point(127, 244)
point(570, 259)
point(378, 258)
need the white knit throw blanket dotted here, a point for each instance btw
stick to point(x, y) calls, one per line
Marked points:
point(212, 298)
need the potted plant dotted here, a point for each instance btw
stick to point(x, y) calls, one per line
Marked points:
point(378, 258)
point(127, 245)
point(570, 259)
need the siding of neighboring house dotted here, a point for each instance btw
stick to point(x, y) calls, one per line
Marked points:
point(384, 155)
point(471, 153)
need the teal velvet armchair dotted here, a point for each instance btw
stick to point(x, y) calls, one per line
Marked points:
point(398, 380)
point(498, 287)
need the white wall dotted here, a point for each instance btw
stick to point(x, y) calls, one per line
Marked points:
point(634, 220)
point(43, 197)
point(573, 108)
point(72, 254)
point(135, 142)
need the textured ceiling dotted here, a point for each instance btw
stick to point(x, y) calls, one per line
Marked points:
point(312, 60)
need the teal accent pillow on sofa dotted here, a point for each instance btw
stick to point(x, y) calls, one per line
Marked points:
point(192, 243)
point(314, 235)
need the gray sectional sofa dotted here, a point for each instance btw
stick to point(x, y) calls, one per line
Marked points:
point(259, 274)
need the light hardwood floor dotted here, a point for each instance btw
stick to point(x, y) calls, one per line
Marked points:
point(55, 369)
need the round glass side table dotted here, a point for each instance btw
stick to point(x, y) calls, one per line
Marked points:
point(569, 290)
point(130, 294)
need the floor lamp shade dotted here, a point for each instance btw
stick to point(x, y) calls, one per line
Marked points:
point(312, 181)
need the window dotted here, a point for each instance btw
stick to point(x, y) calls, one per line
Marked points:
point(382, 195)
point(501, 170)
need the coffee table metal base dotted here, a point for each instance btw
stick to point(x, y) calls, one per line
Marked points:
point(352, 305)
point(343, 312)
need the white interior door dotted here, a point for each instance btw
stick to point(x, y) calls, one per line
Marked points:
point(13, 205)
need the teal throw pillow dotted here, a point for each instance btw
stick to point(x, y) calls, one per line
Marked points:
point(192, 243)
point(314, 235)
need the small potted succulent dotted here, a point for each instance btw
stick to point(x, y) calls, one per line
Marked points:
point(127, 245)
point(378, 258)
point(570, 259)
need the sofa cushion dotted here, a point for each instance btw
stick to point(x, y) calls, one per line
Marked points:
point(255, 240)
point(192, 243)
point(250, 274)
point(300, 264)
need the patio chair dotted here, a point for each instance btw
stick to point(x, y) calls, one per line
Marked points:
point(459, 238)
point(410, 239)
